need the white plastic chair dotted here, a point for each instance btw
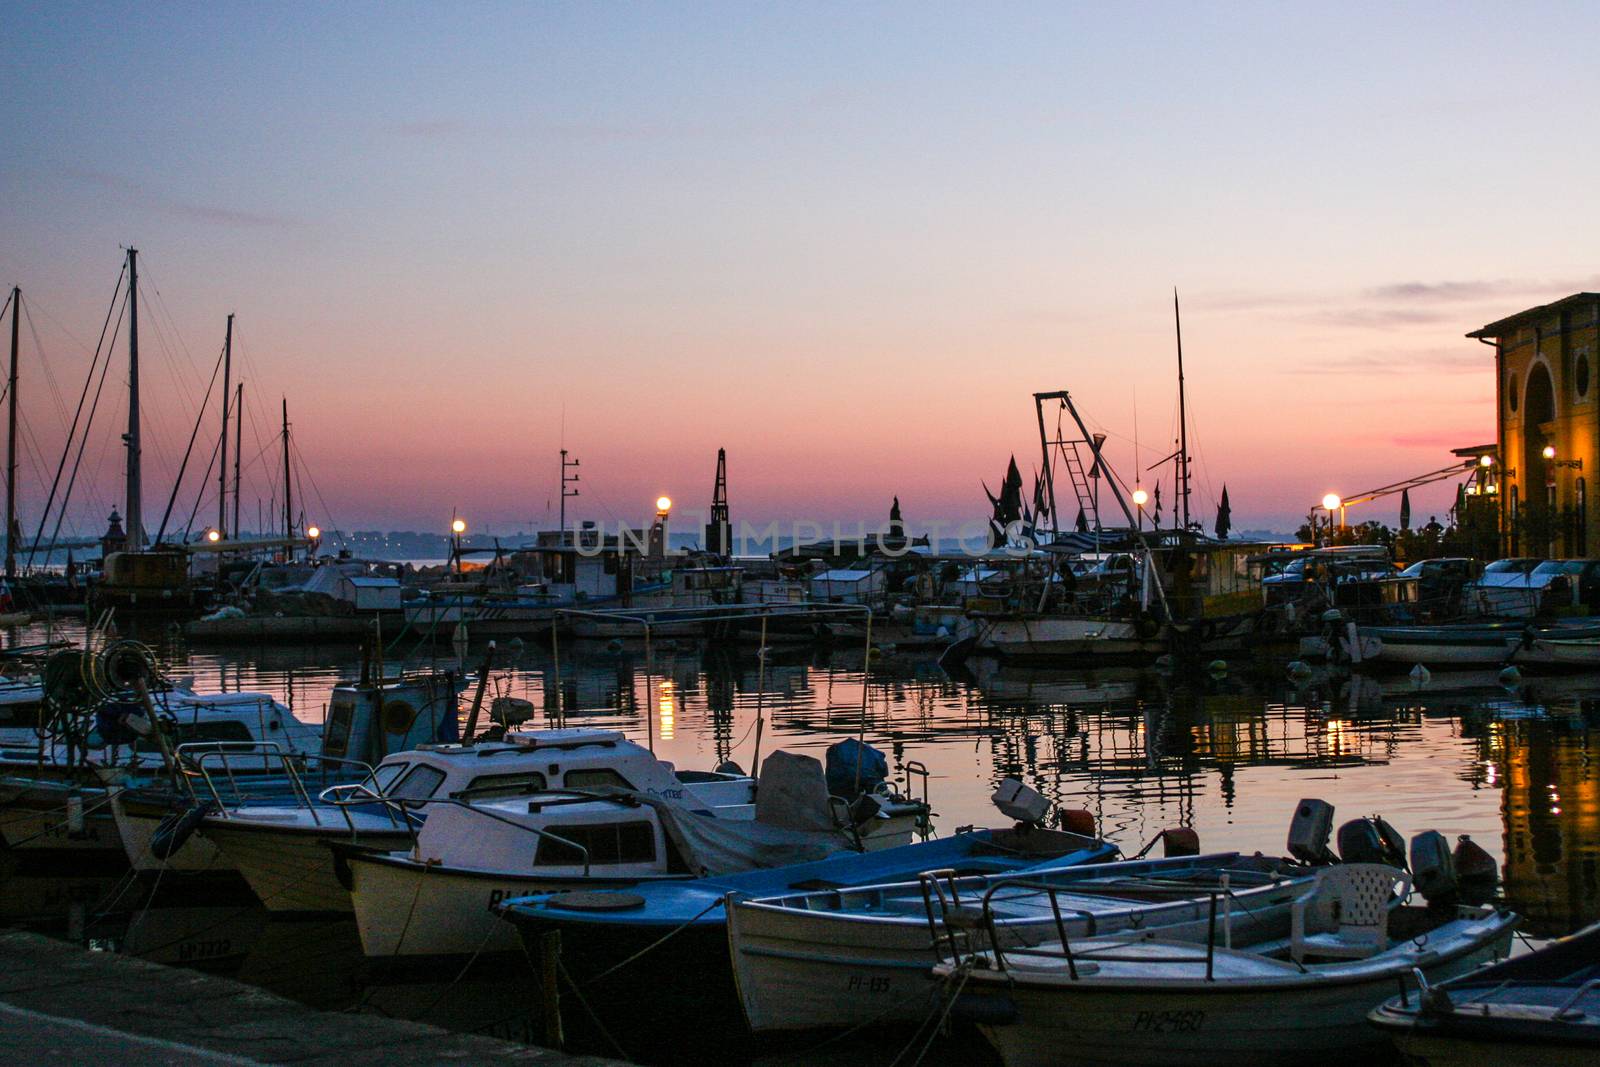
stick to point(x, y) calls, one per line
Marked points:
point(1346, 914)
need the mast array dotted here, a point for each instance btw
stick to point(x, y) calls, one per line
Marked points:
point(11, 440)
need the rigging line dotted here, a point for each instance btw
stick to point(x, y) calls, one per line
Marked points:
point(200, 498)
point(44, 363)
point(77, 461)
point(172, 322)
point(66, 448)
point(156, 428)
point(305, 474)
point(177, 483)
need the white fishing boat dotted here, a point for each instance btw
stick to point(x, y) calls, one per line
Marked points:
point(613, 815)
point(281, 850)
point(1134, 1000)
point(56, 797)
point(849, 957)
point(272, 775)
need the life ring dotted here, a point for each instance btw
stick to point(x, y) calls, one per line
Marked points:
point(1147, 626)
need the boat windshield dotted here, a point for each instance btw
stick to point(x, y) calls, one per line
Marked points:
point(1512, 566)
point(1560, 566)
point(380, 780)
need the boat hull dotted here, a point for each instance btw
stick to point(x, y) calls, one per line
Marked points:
point(803, 970)
point(410, 910)
point(291, 870)
point(1152, 1022)
point(138, 819)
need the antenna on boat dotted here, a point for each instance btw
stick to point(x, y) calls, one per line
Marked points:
point(222, 467)
point(1183, 418)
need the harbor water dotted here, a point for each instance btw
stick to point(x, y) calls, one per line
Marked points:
point(1228, 751)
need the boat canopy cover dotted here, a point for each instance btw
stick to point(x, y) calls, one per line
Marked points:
point(793, 823)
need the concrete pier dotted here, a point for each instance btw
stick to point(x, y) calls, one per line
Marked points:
point(61, 1003)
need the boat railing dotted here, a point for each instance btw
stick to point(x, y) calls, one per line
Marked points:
point(917, 771)
point(954, 926)
point(204, 756)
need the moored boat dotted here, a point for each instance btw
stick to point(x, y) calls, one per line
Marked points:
point(1538, 1010)
point(1131, 1000)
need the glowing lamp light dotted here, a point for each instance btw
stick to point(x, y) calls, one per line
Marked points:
point(1140, 498)
point(213, 536)
point(1549, 451)
point(313, 532)
point(663, 503)
point(1485, 461)
point(1332, 502)
point(458, 526)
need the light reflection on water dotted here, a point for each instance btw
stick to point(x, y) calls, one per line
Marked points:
point(1141, 751)
point(1517, 771)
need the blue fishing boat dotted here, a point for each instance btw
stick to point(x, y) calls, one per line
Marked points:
point(629, 937)
point(1542, 1008)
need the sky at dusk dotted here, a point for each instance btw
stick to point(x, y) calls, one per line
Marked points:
point(845, 242)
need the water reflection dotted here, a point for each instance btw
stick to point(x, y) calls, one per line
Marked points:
point(1517, 770)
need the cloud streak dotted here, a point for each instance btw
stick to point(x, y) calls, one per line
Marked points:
point(214, 214)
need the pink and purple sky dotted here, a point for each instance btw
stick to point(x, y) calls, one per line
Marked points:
point(843, 241)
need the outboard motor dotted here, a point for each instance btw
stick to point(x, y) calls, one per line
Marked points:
point(1019, 802)
point(1433, 868)
point(848, 758)
point(1476, 871)
point(1371, 840)
point(1309, 831)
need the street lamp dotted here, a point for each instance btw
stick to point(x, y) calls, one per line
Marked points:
point(1330, 504)
point(1549, 452)
point(458, 527)
point(213, 536)
point(1485, 461)
point(659, 530)
point(1140, 499)
point(314, 533)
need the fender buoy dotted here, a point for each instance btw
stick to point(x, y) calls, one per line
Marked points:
point(174, 831)
point(1147, 626)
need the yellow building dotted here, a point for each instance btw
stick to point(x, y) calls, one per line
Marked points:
point(1548, 425)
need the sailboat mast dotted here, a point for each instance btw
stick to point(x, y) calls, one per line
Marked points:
point(288, 487)
point(1183, 418)
point(11, 440)
point(135, 516)
point(238, 451)
point(222, 468)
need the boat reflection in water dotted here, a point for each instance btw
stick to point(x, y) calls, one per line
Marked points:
point(1517, 770)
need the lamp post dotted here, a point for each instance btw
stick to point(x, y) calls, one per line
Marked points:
point(458, 526)
point(1330, 504)
point(1140, 499)
point(663, 509)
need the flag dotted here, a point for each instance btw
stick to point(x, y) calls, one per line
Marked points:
point(1405, 509)
point(1083, 521)
point(1224, 515)
point(1158, 506)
